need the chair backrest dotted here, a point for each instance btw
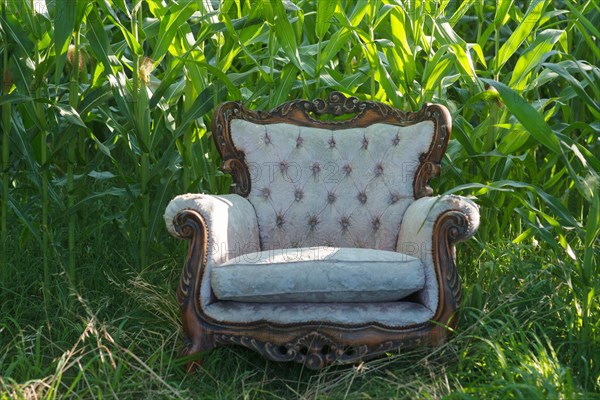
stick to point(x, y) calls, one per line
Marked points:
point(334, 182)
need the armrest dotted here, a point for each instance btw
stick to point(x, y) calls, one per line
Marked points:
point(429, 229)
point(218, 228)
point(421, 216)
point(230, 223)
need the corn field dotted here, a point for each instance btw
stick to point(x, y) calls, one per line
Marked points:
point(106, 112)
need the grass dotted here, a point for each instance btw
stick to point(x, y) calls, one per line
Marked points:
point(105, 109)
point(116, 335)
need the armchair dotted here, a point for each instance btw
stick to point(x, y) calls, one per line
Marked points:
point(331, 248)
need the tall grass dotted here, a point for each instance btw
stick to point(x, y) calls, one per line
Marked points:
point(105, 109)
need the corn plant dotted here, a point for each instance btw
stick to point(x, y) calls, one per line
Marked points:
point(106, 108)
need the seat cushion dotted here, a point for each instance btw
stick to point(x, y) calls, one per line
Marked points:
point(317, 275)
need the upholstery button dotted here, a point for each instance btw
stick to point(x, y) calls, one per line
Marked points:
point(365, 143)
point(299, 141)
point(362, 197)
point(378, 169)
point(279, 220)
point(331, 142)
point(316, 168)
point(330, 197)
point(283, 166)
point(376, 223)
point(267, 138)
point(313, 221)
point(345, 223)
point(394, 197)
point(396, 140)
point(347, 169)
point(298, 194)
point(265, 192)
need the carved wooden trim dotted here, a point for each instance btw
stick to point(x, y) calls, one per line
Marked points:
point(315, 343)
point(300, 112)
point(191, 226)
point(450, 227)
point(317, 350)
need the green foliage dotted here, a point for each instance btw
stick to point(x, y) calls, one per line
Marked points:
point(106, 109)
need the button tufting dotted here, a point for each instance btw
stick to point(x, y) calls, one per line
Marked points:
point(376, 223)
point(330, 197)
point(279, 220)
point(378, 169)
point(283, 166)
point(362, 197)
point(345, 223)
point(313, 221)
point(315, 168)
point(328, 177)
point(365, 143)
point(265, 192)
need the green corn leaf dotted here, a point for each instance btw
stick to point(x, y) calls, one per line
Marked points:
point(234, 91)
point(398, 23)
point(358, 12)
point(591, 234)
point(524, 29)
point(562, 69)
point(461, 11)
point(232, 30)
point(64, 24)
point(382, 14)
point(349, 83)
point(70, 114)
point(325, 12)
point(579, 17)
point(286, 35)
point(436, 68)
point(143, 119)
point(537, 51)
point(203, 104)
point(502, 7)
point(167, 81)
point(25, 220)
point(338, 40)
point(510, 185)
point(98, 39)
point(459, 48)
point(92, 98)
point(132, 42)
point(527, 116)
point(288, 76)
point(169, 27)
point(388, 85)
point(18, 36)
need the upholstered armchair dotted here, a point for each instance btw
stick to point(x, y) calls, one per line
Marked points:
point(331, 248)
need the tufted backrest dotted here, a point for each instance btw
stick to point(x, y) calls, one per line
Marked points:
point(343, 184)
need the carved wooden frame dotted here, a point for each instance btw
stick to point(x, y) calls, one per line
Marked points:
point(317, 344)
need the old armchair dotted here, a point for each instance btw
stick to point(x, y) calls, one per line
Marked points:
point(331, 248)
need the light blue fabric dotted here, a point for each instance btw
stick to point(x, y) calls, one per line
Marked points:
point(318, 275)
